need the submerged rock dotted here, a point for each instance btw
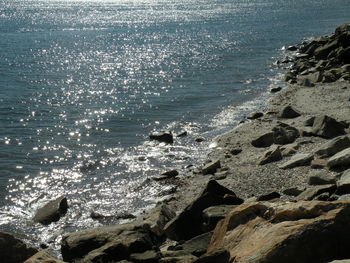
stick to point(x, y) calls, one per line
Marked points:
point(52, 211)
point(166, 137)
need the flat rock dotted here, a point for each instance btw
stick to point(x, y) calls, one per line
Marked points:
point(289, 149)
point(327, 127)
point(300, 159)
point(43, 256)
point(149, 256)
point(198, 245)
point(343, 184)
point(288, 112)
point(212, 215)
point(318, 163)
point(341, 159)
point(13, 250)
point(311, 192)
point(332, 147)
point(211, 167)
point(52, 211)
point(271, 155)
point(188, 223)
point(217, 256)
point(293, 191)
point(269, 196)
point(280, 232)
point(264, 140)
point(322, 179)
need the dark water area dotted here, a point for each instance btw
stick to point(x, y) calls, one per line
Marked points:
point(83, 83)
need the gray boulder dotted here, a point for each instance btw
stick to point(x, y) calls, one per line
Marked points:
point(284, 134)
point(343, 184)
point(341, 159)
point(288, 112)
point(211, 167)
point(188, 223)
point(13, 250)
point(212, 215)
point(322, 179)
point(327, 127)
point(332, 147)
point(52, 211)
point(314, 191)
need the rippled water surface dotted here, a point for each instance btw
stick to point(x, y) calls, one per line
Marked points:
point(82, 84)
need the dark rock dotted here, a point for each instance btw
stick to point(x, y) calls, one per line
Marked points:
point(149, 256)
point(13, 250)
point(200, 139)
point(178, 259)
point(188, 223)
point(309, 122)
point(292, 191)
point(166, 175)
point(52, 211)
point(210, 168)
point(341, 159)
point(217, 256)
point(284, 134)
point(272, 155)
point(289, 76)
point(312, 192)
point(235, 151)
point(327, 127)
point(343, 185)
point(198, 245)
point(255, 115)
point(288, 112)
point(275, 90)
point(43, 256)
point(332, 147)
point(264, 140)
point(321, 179)
point(182, 134)
point(107, 244)
point(212, 215)
point(166, 137)
point(344, 28)
point(269, 196)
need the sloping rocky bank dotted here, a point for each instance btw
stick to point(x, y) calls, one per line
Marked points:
point(275, 189)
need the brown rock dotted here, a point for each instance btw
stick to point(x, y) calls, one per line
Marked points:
point(43, 256)
point(300, 232)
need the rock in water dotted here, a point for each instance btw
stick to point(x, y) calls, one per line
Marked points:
point(52, 211)
point(13, 250)
point(327, 127)
point(188, 223)
point(288, 112)
point(302, 232)
point(166, 137)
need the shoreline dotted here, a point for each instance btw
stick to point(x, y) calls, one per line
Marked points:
point(255, 174)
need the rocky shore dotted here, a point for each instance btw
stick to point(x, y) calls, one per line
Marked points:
point(274, 189)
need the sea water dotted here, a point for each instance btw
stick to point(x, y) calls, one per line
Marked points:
point(83, 83)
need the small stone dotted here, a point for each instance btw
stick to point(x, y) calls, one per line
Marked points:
point(318, 163)
point(211, 167)
point(309, 122)
point(275, 90)
point(255, 115)
point(306, 82)
point(301, 159)
point(182, 134)
point(322, 197)
point(235, 151)
point(220, 175)
point(332, 147)
point(149, 256)
point(269, 196)
point(294, 191)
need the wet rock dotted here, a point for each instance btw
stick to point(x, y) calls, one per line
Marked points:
point(272, 155)
point(200, 139)
point(289, 149)
point(306, 82)
point(211, 167)
point(300, 159)
point(327, 127)
point(292, 48)
point(284, 134)
point(212, 215)
point(13, 250)
point(343, 185)
point(312, 192)
point(284, 231)
point(269, 196)
point(149, 256)
point(52, 211)
point(166, 137)
point(166, 175)
point(288, 112)
point(182, 134)
point(332, 147)
point(43, 256)
point(255, 115)
point(107, 244)
point(275, 90)
point(264, 140)
point(188, 223)
point(341, 159)
point(318, 163)
point(321, 179)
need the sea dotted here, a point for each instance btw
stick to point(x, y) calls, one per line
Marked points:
point(84, 82)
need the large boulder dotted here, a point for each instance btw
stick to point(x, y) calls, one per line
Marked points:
point(189, 223)
point(52, 211)
point(303, 232)
point(107, 244)
point(327, 127)
point(211, 167)
point(332, 147)
point(13, 250)
point(284, 133)
point(264, 140)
